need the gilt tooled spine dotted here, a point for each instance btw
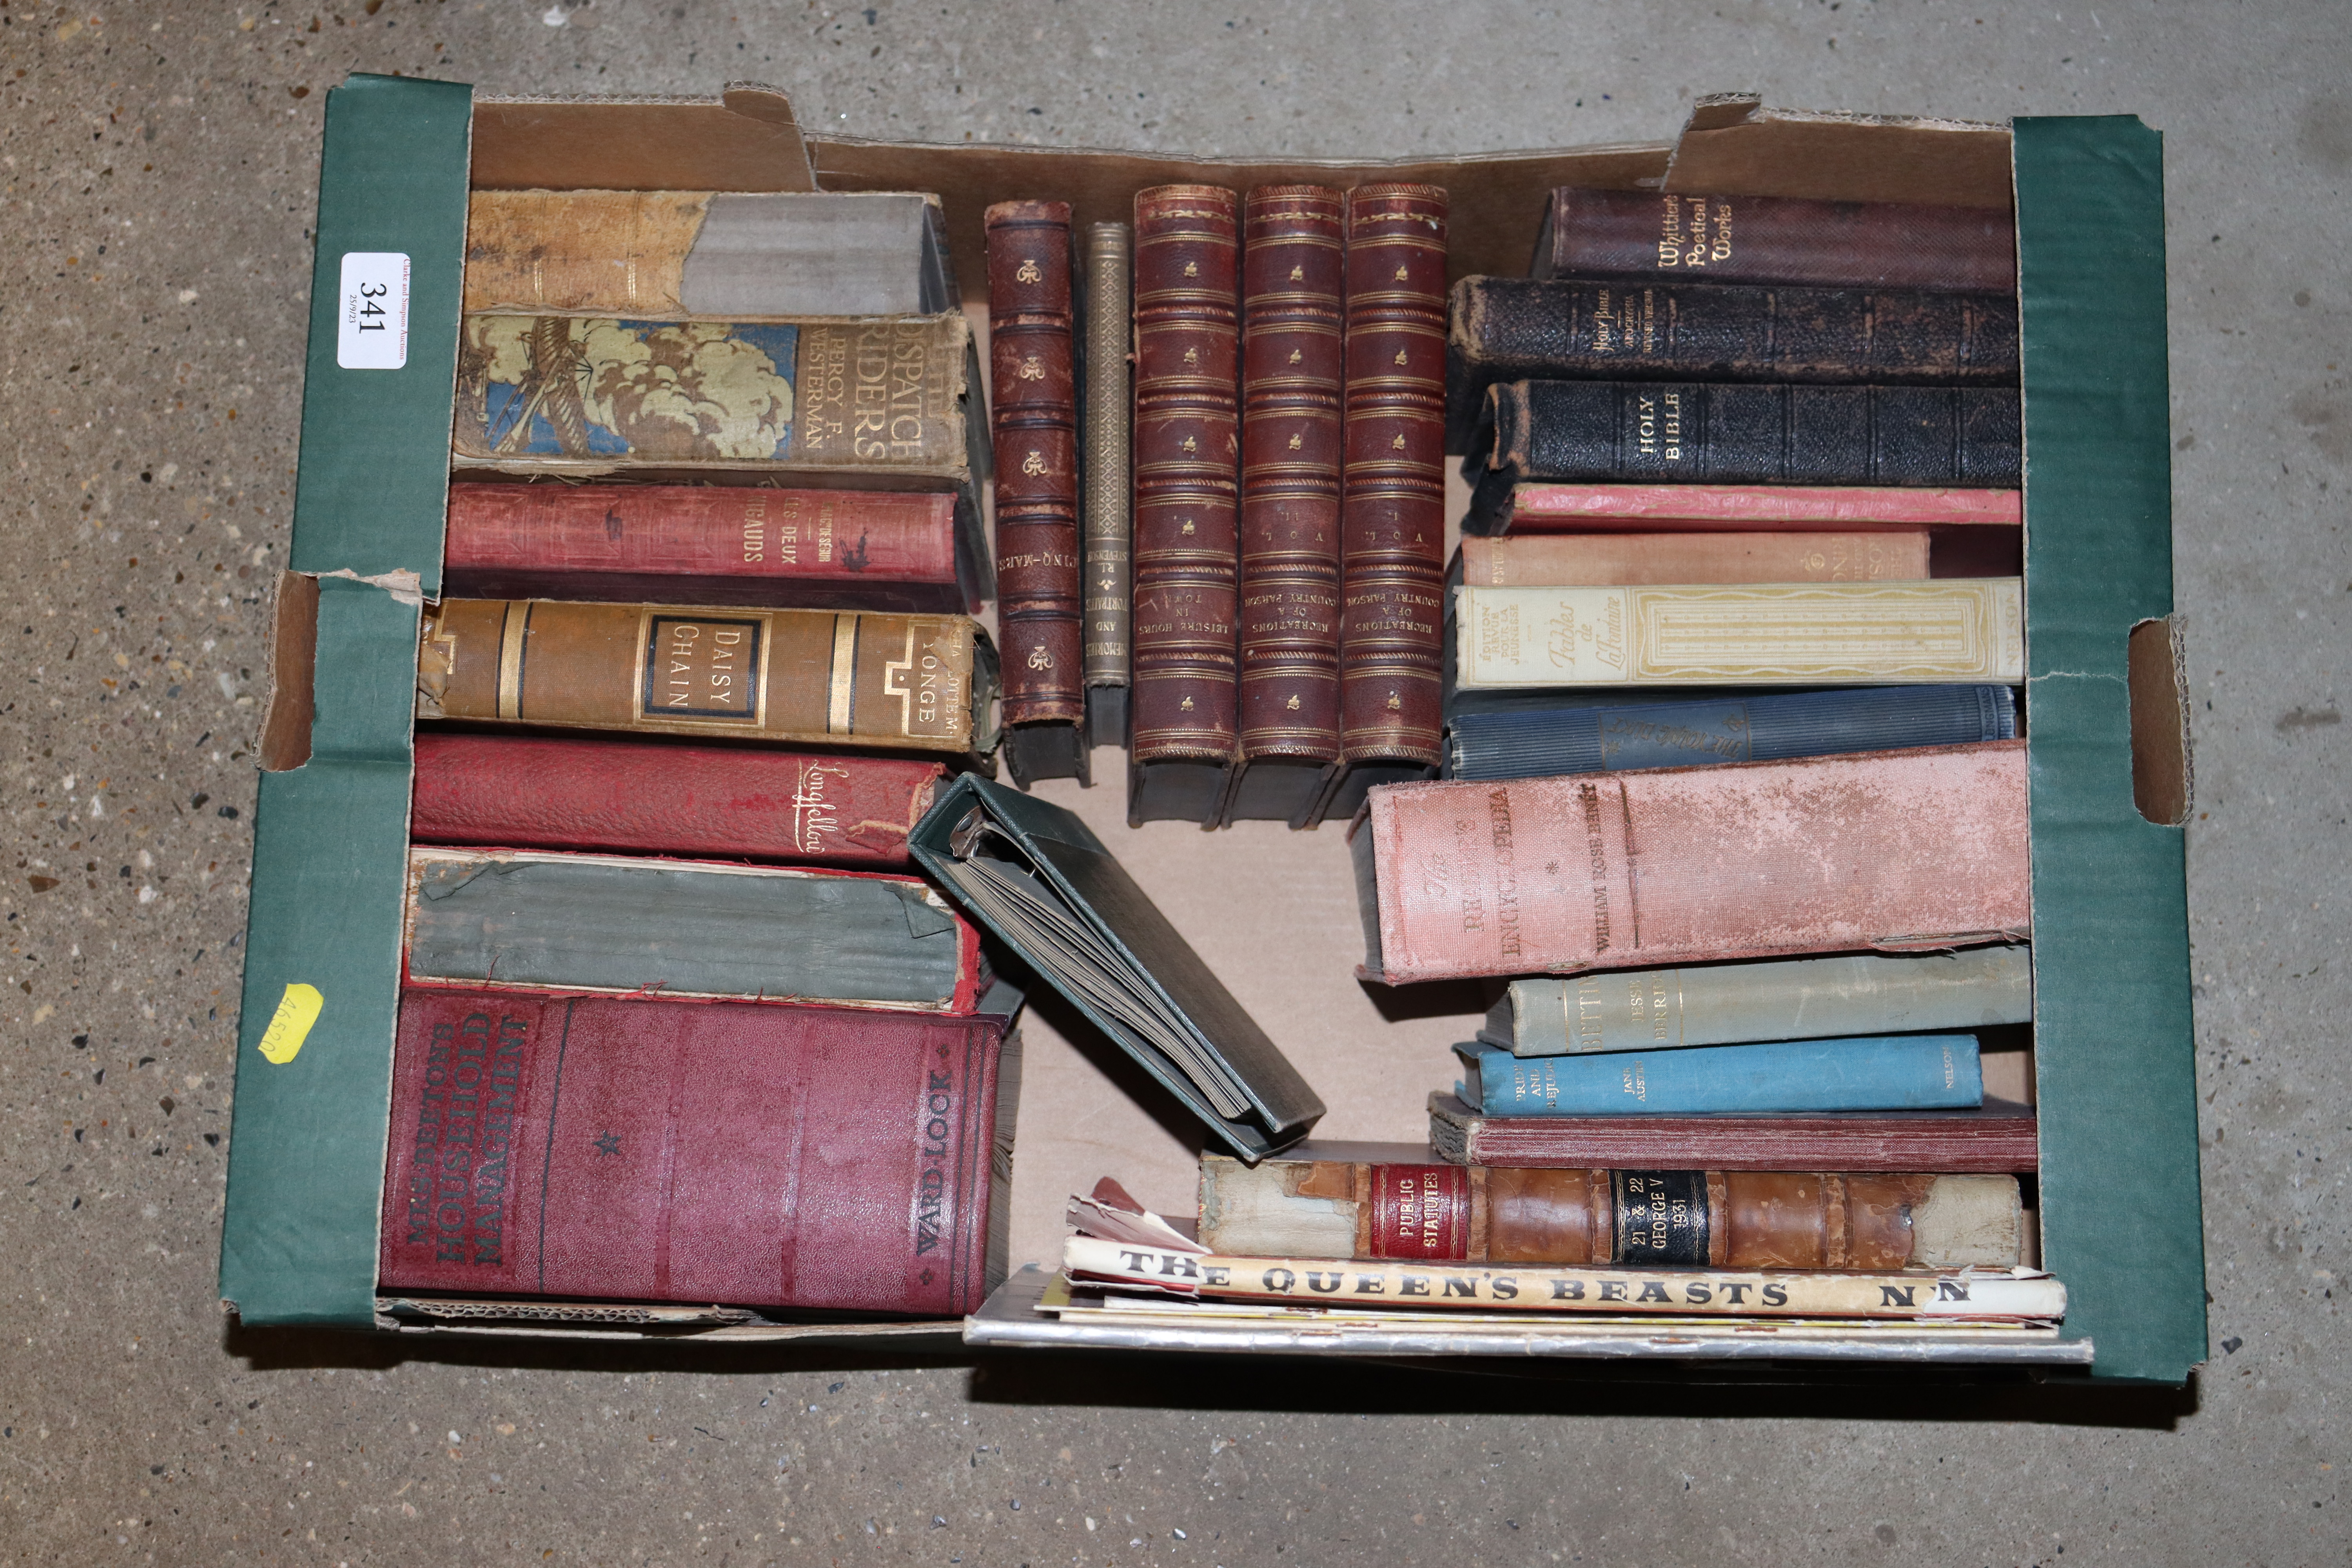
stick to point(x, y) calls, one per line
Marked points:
point(1514, 329)
point(1640, 235)
point(1722, 1219)
point(1293, 271)
point(1392, 503)
point(1108, 521)
point(1032, 375)
point(1720, 434)
point(1187, 446)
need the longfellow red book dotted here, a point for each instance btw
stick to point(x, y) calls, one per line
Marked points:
point(1895, 850)
point(550, 792)
point(705, 544)
point(669, 1152)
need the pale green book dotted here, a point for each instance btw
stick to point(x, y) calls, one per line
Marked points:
point(1782, 999)
point(1771, 634)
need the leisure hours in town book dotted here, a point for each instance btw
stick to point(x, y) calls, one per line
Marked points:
point(635, 1150)
point(922, 683)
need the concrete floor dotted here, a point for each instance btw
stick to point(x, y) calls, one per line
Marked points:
point(160, 164)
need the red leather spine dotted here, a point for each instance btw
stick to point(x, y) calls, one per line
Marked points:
point(621, 1150)
point(1032, 377)
point(1393, 498)
point(1187, 445)
point(1419, 1211)
point(1292, 360)
point(539, 792)
point(703, 545)
point(1638, 235)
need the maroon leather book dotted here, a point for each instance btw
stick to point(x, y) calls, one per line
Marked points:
point(1033, 382)
point(1293, 271)
point(1393, 565)
point(550, 793)
point(1635, 235)
point(1996, 1138)
point(705, 544)
point(1186, 451)
point(669, 1152)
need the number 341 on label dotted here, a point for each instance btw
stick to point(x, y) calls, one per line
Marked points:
point(372, 316)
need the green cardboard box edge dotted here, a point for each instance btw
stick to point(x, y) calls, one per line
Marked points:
point(2114, 1040)
point(2120, 1209)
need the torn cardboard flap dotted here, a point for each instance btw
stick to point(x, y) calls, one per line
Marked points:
point(1733, 146)
point(2164, 773)
point(747, 140)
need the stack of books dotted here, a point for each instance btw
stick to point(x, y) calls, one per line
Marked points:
point(679, 1020)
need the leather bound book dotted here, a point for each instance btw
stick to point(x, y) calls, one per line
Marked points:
point(529, 920)
point(1375, 1201)
point(1033, 379)
point(1532, 432)
point(1517, 329)
point(1575, 736)
point(613, 1150)
point(1187, 453)
point(1689, 508)
point(1739, 635)
point(706, 545)
point(1614, 559)
point(1998, 1136)
point(925, 683)
point(1392, 564)
point(1638, 237)
point(1892, 850)
point(1293, 270)
point(1107, 516)
point(533, 792)
point(709, 253)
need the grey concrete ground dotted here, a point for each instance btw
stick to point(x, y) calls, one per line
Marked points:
point(159, 164)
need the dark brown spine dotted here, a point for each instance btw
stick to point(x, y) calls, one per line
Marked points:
point(1035, 421)
point(1393, 502)
point(1640, 235)
point(1292, 363)
point(1187, 444)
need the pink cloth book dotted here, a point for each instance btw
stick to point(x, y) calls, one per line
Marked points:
point(1923, 849)
point(1541, 509)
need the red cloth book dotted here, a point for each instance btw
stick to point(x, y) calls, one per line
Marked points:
point(1611, 507)
point(550, 793)
point(705, 544)
point(1996, 1138)
point(1897, 850)
point(669, 1152)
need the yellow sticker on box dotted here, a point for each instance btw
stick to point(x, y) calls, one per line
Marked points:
point(291, 1025)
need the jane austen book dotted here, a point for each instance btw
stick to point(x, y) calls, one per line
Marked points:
point(1889, 850)
point(546, 792)
point(527, 920)
point(726, 254)
point(1375, 1201)
point(706, 545)
point(650, 1151)
point(1813, 634)
point(911, 682)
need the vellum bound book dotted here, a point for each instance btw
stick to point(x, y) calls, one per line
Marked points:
point(1754, 634)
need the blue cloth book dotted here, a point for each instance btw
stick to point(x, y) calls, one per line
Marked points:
point(1587, 737)
point(1891, 1073)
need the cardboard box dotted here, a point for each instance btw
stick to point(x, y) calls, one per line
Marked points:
point(2111, 1057)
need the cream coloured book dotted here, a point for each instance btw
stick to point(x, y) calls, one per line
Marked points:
point(1791, 634)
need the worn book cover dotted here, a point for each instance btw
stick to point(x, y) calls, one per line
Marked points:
point(911, 682)
point(1613, 560)
point(1997, 1136)
point(635, 1150)
point(1892, 850)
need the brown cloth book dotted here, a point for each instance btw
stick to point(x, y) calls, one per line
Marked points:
point(1636, 236)
point(1187, 451)
point(924, 683)
point(1392, 563)
point(1293, 270)
point(1999, 1135)
point(1375, 1201)
point(1033, 373)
